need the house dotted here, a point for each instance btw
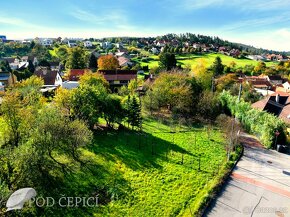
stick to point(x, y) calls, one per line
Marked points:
point(66, 40)
point(88, 44)
point(70, 84)
point(284, 88)
point(123, 61)
point(235, 53)
point(106, 45)
point(47, 42)
point(154, 50)
point(256, 57)
point(258, 82)
point(117, 78)
point(277, 104)
point(196, 46)
point(223, 49)
point(72, 43)
point(54, 66)
point(119, 45)
point(7, 79)
point(75, 74)
point(3, 38)
point(121, 54)
point(1, 87)
point(33, 59)
point(261, 84)
point(51, 78)
point(13, 62)
point(275, 79)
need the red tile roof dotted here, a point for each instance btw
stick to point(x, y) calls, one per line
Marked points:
point(75, 74)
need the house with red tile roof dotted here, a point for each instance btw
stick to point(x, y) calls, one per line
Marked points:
point(117, 78)
point(75, 74)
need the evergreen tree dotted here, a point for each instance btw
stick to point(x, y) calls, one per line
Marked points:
point(167, 61)
point(31, 67)
point(93, 62)
point(217, 66)
point(135, 113)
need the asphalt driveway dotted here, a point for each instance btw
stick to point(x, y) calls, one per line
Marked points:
point(258, 186)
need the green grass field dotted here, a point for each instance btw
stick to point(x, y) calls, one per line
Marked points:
point(153, 174)
point(192, 59)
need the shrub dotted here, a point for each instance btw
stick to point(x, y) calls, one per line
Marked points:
point(261, 123)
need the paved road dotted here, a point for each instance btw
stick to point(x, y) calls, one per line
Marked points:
point(259, 185)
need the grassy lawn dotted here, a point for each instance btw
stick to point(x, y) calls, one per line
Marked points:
point(192, 60)
point(155, 174)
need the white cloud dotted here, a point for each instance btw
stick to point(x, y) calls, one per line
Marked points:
point(258, 22)
point(274, 40)
point(17, 22)
point(113, 18)
point(260, 5)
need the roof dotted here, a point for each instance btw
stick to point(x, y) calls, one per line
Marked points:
point(285, 114)
point(75, 74)
point(119, 75)
point(54, 63)
point(280, 109)
point(8, 59)
point(260, 83)
point(27, 58)
point(260, 104)
point(123, 60)
point(49, 76)
point(275, 77)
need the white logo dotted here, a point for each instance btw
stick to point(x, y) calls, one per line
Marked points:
point(19, 197)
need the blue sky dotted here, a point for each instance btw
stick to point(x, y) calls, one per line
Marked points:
point(255, 22)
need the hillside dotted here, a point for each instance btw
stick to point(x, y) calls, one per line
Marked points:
point(192, 60)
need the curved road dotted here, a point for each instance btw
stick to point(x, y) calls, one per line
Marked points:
point(259, 185)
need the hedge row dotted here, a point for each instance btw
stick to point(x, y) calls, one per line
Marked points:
point(260, 123)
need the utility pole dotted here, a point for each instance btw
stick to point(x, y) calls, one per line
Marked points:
point(240, 92)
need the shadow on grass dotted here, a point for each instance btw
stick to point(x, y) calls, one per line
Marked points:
point(136, 150)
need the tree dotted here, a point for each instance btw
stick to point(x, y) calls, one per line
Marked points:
point(260, 67)
point(217, 66)
point(31, 67)
point(133, 112)
point(167, 61)
point(77, 58)
point(87, 103)
point(5, 67)
point(208, 106)
point(44, 63)
point(202, 74)
point(108, 62)
point(93, 79)
point(112, 110)
point(62, 53)
point(225, 82)
point(93, 64)
point(172, 91)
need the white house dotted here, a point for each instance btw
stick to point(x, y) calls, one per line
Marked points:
point(46, 42)
point(88, 44)
point(106, 45)
point(51, 78)
point(155, 50)
point(72, 43)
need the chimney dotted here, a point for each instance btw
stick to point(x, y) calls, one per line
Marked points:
point(277, 98)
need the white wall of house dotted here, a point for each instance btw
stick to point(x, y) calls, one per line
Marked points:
point(58, 80)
